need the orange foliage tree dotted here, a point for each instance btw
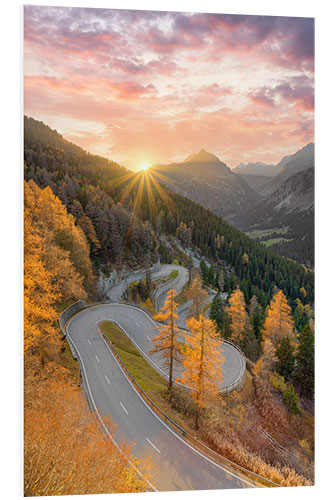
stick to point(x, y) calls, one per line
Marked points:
point(52, 270)
point(166, 343)
point(198, 295)
point(66, 251)
point(202, 361)
point(40, 294)
point(267, 360)
point(239, 321)
point(279, 322)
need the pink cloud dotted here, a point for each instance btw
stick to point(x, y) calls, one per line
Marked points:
point(160, 84)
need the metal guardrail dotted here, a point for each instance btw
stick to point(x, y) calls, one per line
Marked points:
point(240, 379)
point(197, 443)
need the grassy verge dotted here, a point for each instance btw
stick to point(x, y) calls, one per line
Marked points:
point(152, 383)
point(65, 357)
point(174, 273)
point(63, 305)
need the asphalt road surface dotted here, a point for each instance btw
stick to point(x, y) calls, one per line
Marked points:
point(178, 465)
point(177, 283)
point(115, 293)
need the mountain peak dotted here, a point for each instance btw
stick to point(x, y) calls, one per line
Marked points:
point(202, 157)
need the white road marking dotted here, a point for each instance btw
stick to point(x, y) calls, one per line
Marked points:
point(108, 381)
point(96, 358)
point(137, 324)
point(148, 337)
point(89, 342)
point(123, 407)
point(153, 445)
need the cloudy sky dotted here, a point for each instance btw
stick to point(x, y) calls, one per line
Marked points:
point(144, 87)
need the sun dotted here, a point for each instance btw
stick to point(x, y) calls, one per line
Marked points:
point(144, 166)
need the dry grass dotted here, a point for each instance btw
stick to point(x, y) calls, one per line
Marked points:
point(64, 450)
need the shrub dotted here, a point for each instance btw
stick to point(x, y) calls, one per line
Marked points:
point(291, 399)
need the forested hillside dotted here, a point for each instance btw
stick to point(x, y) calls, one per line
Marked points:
point(65, 452)
point(126, 217)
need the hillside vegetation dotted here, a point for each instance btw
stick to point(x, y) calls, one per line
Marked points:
point(64, 450)
point(128, 219)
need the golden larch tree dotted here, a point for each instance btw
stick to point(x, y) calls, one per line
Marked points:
point(58, 227)
point(40, 294)
point(202, 361)
point(239, 321)
point(279, 322)
point(165, 342)
point(199, 297)
point(267, 360)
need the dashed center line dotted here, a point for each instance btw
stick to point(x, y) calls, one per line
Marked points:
point(137, 324)
point(123, 407)
point(148, 337)
point(153, 445)
point(108, 381)
point(96, 358)
point(89, 342)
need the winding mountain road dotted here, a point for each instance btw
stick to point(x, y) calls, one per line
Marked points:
point(116, 292)
point(178, 465)
point(140, 327)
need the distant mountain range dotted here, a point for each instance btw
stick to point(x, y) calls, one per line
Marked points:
point(271, 203)
point(207, 180)
point(265, 178)
point(258, 168)
point(290, 165)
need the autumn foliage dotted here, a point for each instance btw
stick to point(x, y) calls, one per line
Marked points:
point(40, 295)
point(57, 265)
point(202, 361)
point(65, 452)
point(199, 297)
point(166, 342)
point(239, 322)
point(279, 322)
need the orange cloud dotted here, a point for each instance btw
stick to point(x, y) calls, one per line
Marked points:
point(131, 84)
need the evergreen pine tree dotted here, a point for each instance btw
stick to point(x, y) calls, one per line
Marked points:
point(304, 372)
point(216, 312)
point(286, 364)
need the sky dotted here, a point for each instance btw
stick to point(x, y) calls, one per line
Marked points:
point(144, 87)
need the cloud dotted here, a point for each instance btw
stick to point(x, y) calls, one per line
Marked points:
point(263, 97)
point(237, 84)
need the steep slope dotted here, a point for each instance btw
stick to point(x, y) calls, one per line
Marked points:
point(290, 165)
point(256, 182)
point(206, 180)
point(286, 218)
